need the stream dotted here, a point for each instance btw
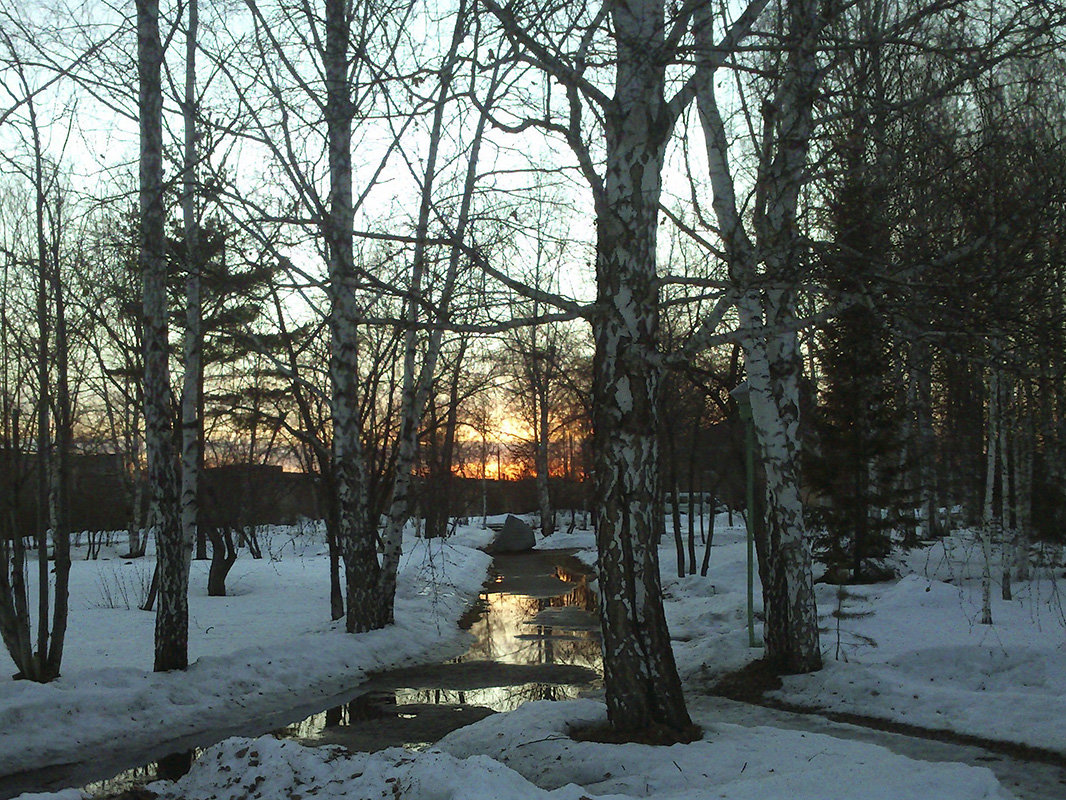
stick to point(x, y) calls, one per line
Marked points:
point(535, 637)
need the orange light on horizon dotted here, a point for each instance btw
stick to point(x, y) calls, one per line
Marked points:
point(513, 429)
point(490, 453)
point(505, 468)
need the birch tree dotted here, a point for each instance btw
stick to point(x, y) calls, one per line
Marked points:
point(764, 243)
point(39, 657)
point(990, 521)
point(356, 49)
point(632, 123)
point(366, 607)
point(534, 355)
point(417, 383)
point(761, 265)
point(278, 98)
point(192, 380)
point(173, 549)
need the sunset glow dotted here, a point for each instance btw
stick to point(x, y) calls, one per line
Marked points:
point(512, 429)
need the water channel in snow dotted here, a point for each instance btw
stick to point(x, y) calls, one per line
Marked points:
point(534, 636)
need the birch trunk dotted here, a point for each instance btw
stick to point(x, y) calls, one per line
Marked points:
point(191, 424)
point(52, 469)
point(61, 475)
point(917, 456)
point(675, 506)
point(417, 384)
point(543, 428)
point(926, 444)
point(366, 608)
point(988, 511)
point(173, 551)
point(415, 393)
point(767, 317)
point(791, 623)
point(642, 686)
point(14, 596)
point(137, 527)
point(484, 479)
point(1024, 444)
point(1007, 531)
point(35, 669)
point(14, 624)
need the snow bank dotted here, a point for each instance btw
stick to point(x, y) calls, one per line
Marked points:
point(267, 647)
point(265, 767)
point(913, 651)
point(527, 754)
point(730, 761)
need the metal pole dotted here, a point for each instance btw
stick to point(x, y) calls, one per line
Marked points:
point(742, 395)
point(749, 458)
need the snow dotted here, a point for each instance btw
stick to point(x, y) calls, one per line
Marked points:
point(270, 644)
point(528, 754)
point(729, 762)
point(914, 651)
point(909, 650)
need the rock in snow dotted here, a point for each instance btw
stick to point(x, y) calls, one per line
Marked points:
point(516, 537)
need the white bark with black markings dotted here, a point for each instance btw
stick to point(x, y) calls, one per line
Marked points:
point(640, 676)
point(191, 422)
point(760, 266)
point(174, 552)
point(365, 609)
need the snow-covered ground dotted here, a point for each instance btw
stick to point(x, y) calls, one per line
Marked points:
point(914, 651)
point(268, 645)
point(910, 650)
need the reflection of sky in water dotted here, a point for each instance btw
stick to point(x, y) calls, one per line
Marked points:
point(124, 781)
point(509, 628)
point(127, 782)
point(498, 698)
point(503, 632)
point(389, 705)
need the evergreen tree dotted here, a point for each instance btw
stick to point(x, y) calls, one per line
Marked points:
point(853, 472)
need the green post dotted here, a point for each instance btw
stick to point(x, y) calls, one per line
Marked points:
point(742, 394)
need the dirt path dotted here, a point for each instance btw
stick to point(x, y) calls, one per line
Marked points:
point(1027, 778)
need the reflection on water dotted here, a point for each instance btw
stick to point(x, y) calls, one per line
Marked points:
point(535, 637)
point(497, 698)
point(519, 629)
point(125, 784)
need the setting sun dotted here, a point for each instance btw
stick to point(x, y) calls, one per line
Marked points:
point(512, 429)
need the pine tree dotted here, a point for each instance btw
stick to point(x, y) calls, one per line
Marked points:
point(858, 451)
point(854, 469)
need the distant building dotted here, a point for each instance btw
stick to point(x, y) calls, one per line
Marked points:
point(102, 494)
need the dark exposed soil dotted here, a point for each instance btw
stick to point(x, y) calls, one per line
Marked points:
point(658, 735)
point(748, 684)
point(469, 675)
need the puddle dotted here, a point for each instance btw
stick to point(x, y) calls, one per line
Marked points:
point(125, 785)
point(534, 636)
